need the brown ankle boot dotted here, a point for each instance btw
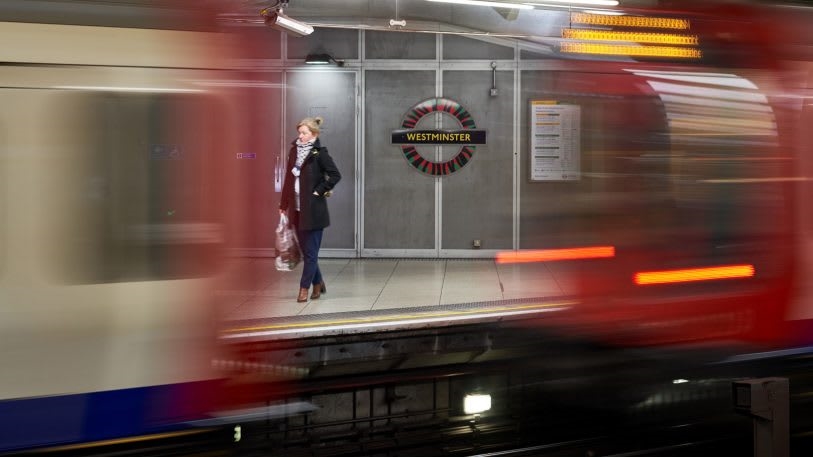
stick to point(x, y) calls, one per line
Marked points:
point(318, 290)
point(303, 295)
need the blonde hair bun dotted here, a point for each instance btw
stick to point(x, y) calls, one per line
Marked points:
point(312, 123)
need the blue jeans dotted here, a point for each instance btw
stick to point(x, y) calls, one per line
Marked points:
point(309, 242)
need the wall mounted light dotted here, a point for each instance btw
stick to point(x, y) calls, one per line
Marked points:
point(322, 59)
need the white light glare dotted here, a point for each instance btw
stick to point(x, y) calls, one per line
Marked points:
point(679, 381)
point(486, 3)
point(476, 403)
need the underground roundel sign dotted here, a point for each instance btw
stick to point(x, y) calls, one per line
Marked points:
point(467, 135)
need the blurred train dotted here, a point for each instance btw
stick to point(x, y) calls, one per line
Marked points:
point(691, 220)
point(115, 191)
point(113, 186)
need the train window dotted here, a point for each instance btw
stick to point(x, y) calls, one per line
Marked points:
point(140, 206)
point(695, 170)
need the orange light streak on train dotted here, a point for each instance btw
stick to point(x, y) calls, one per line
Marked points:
point(645, 278)
point(551, 255)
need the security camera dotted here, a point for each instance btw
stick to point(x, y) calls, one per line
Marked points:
point(277, 20)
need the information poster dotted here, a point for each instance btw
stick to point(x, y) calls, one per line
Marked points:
point(555, 141)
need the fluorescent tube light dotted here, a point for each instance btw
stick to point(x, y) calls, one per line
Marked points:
point(578, 2)
point(519, 6)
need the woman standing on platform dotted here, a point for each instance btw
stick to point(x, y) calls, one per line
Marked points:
point(308, 182)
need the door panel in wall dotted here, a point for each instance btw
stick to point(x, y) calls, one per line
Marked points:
point(477, 200)
point(255, 199)
point(399, 201)
point(330, 94)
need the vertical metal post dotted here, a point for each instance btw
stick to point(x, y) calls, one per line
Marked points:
point(434, 398)
point(371, 397)
point(767, 401)
point(355, 409)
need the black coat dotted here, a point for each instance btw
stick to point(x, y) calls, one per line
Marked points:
point(319, 174)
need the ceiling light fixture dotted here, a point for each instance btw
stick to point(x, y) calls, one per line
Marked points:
point(520, 6)
point(275, 19)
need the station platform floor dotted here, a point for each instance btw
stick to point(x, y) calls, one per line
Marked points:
point(256, 290)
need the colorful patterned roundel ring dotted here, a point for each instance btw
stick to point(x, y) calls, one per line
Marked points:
point(438, 105)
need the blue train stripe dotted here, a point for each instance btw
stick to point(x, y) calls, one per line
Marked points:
point(95, 416)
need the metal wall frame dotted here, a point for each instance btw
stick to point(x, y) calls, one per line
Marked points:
point(287, 64)
point(439, 67)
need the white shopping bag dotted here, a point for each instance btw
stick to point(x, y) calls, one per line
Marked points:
point(288, 255)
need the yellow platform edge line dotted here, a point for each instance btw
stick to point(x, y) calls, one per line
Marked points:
point(396, 317)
